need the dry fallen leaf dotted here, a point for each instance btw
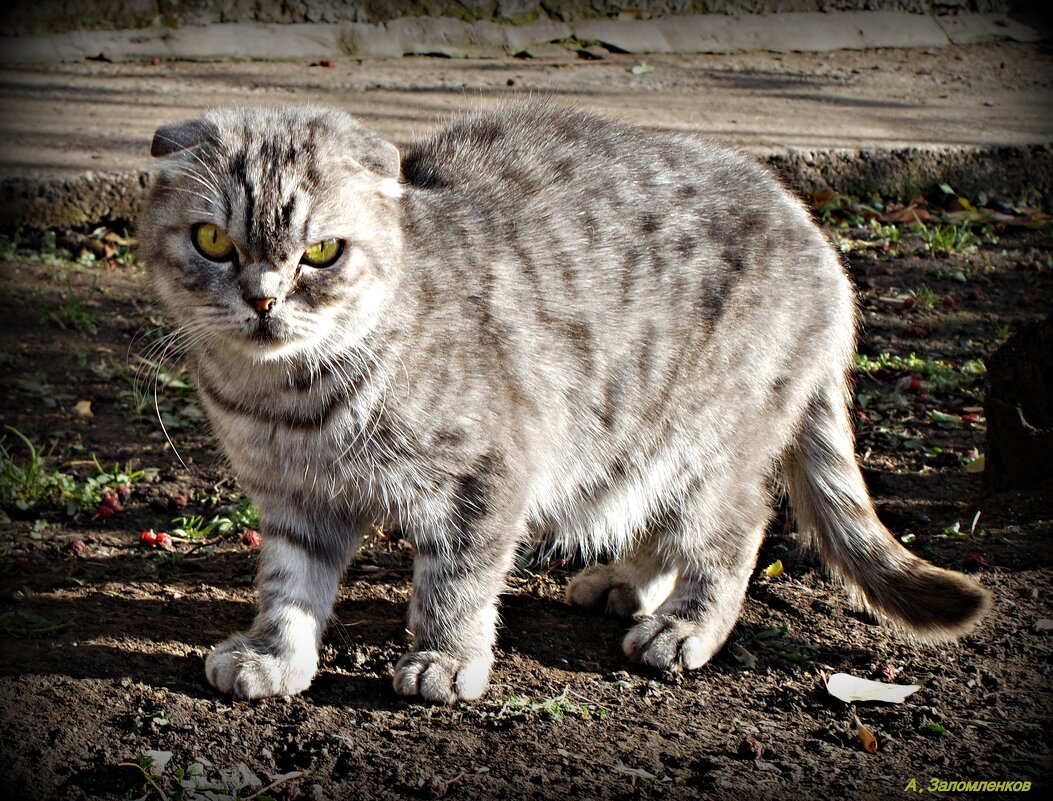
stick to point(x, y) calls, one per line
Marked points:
point(866, 736)
point(742, 656)
point(158, 761)
point(852, 688)
point(82, 410)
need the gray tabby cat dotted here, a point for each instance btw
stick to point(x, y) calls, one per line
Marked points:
point(536, 321)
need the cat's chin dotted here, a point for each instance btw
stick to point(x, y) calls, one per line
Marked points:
point(268, 350)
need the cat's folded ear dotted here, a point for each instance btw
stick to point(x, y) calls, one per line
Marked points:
point(177, 136)
point(380, 157)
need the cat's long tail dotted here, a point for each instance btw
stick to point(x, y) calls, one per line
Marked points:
point(835, 513)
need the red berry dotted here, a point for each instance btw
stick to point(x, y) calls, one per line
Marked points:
point(751, 748)
point(328, 63)
point(164, 540)
point(949, 301)
point(148, 538)
point(104, 510)
point(909, 303)
point(915, 383)
point(251, 537)
point(974, 561)
point(970, 418)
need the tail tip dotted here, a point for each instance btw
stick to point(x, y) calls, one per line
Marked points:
point(931, 603)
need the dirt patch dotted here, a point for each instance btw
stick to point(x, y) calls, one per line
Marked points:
point(102, 639)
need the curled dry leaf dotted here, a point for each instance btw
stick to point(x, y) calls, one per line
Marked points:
point(742, 656)
point(852, 688)
point(82, 410)
point(866, 736)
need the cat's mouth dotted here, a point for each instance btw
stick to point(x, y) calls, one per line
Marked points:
point(269, 339)
point(266, 331)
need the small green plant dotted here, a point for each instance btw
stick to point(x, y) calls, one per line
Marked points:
point(948, 238)
point(29, 484)
point(940, 375)
point(193, 784)
point(948, 274)
point(773, 640)
point(551, 709)
point(98, 247)
point(925, 297)
point(75, 313)
point(23, 625)
point(25, 485)
point(230, 520)
point(143, 722)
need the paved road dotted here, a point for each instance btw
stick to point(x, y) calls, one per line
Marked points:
point(61, 120)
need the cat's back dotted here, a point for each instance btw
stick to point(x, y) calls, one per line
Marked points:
point(536, 149)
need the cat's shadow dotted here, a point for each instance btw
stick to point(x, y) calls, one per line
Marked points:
point(160, 642)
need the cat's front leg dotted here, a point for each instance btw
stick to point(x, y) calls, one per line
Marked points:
point(296, 583)
point(453, 609)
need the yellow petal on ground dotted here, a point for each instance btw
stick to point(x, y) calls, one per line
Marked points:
point(774, 570)
point(852, 688)
point(82, 410)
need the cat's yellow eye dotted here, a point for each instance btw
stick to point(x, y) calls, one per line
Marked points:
point(212, 242)
point(322, 254)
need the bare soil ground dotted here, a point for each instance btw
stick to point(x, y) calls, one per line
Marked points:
point(102, 638)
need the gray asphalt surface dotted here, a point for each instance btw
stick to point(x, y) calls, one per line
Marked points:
point(70, 126)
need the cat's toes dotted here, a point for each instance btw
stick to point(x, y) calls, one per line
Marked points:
point(244, 669)
point(623, 601)
point(600, 587)
point(443, 678)
point(590, 587)
point(669, 643)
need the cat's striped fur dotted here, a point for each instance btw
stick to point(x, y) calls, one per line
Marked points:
point(541, 320)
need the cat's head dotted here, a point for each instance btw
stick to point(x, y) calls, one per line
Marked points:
point(272, 231)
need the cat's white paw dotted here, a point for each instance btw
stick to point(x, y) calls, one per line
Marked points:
point(245, 670)
point(443, 678)
point(669, 643)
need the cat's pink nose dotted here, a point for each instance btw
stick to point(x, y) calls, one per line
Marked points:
point(262, 305)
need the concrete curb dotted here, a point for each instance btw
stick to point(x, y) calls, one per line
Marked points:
point(710, 33)
point(1015, 173)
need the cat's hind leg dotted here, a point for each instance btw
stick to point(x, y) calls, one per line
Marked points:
point(296, 585)
point(715, 565)
point(633, 585)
